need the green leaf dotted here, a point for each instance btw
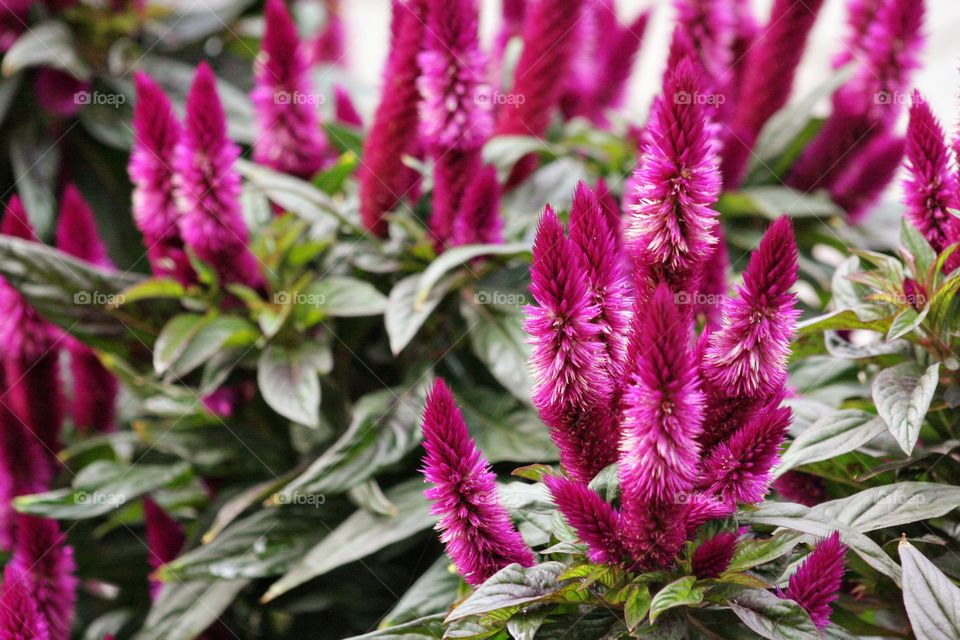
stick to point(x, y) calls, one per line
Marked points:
point(344, 297)
point(504, 151)
point(932, 601)
point(843, 319)
point(360, 535)
point(174, 339)
point(904, 322)
point(182, 611)
point(754, 552)
point(151, 288)
point(220, 333)
point(289, 382)
point(403, 316)
point(892, 505)
point(682, 592)
point(48, 44)
point(35, 160)
point(457, 256)
point(772, 617)
point(511, 588)
point(296, 196)
point(100, 488)
point(902, 394)
point(421, 629)
point(433, 592)
point(830, 436)
point(384, 428)
point(498, 338)
point(917, 245)
point(772, 202)
point(504, 428)
point(636, 605)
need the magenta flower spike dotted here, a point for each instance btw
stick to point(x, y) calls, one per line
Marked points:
point(57, 91)
point(165, 539)
point(590, 231)
point(330, 45)
point(44, 562)
point(384, 179)
point(20, 619)
point(747, 356)
point(478, 221)
point(713, 556)
point(768, 75)
point(672, 226)
point(816, 583)
point(662, 415)
point(802, 488)
point(29, 353)
point(861, 184)
point(708, 25)
point(572, 389)
point(618, 64)
point(595, 521)
point(931, 187)
point(208, 188)
point(343, 108)
point(93, 405)
point(156, 132)
point(713, 286)
point(738, 469)
point(290, 139)
point(860, 14)
point(475, 527)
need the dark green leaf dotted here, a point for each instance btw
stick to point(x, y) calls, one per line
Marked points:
point(682, 592)
point(772, 617)
point(932, 601)
point(461, 255)
point(288, 380)
point(404, 316)
point(498, 338)
point(182, 611)
point(902, 394)
point(345, 297)
point(509, 589)
point(831, 435)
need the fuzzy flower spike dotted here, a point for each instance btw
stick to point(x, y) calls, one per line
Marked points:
point(208, 188)
point(93, 405)
point(455, 113)
point(156, 132)
point(816, 583)
point(475, 527)
point(290, 139)
point(672, 226)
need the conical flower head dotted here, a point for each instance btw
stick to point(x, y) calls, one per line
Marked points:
point(858, 188)
point(20, 619)
point(208, 187)
point(156, 132)
point(672, 225)
point(738, 469)
point(43, 560)
point(709, 27)
point(478, 220)
point(595, 521)
point(802, 488)
point(77, 232)
point(330, 44)
point(747, 356)
point(165, 539)
point(572, 388)
point(860, 14)
point(816, 583)
point(475, 527)
point(290, 138)
point(713, 556)
point(931, 187)
point(343, 108)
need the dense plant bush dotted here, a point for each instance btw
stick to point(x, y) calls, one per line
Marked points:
point(489, 361)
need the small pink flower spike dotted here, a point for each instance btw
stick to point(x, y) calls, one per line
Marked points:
point(816, 584)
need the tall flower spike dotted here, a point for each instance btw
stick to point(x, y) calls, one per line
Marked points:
point(662, 414)
point(344, 110)
point(383, 178)
point(165, 539)
point(591, 233)
point(455, 113)
point(290, 139)
point(618, 64)
point(475, 527)
point(747, 355)
point(155, 135)
point(572, 389)
point(208, 187)
point(738, 469)
point(770, 66)
point(816, 583)
point(931, 187)
point(860, 14)
point(672, 226)
point(20, 619)
point(713, 556)
point(93, 405)
point(478, 221)
point(330, 44)
point(861, 184)
point(802, 488)
point(595, 521)
point(709, 27)
point(45, 563)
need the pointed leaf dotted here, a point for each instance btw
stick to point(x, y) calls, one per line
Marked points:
point(902, 394)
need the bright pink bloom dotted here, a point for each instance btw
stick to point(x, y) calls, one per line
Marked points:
point(44, 561)
point(208, 188)
point(93, 405)
point(475, 527)
point(860, 14)
point(155, 135)
point(595, 521)
point(816, 583)
point(672, 226)
point(384, 179)
point(713, 556)
point(619, 61)
point(14, 16)
point(290, 139)
point(738, 469)
point(20, 619)
point(344, 110)
point(931, 188)
point(802, 488)
point(573, 389)
point(330, 45)
point(861, 184)
point(708, 24)
point(478, 220)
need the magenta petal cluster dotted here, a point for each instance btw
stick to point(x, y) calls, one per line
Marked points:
point(816, 583)
point(475, 527)
point(709, 28)
point(208, 187)
point(290, 139)
point(156, 133)
point(329, 47)
point(383, 178)
point(595, 520)
point(20, 619)
point(165, 538)
point(802, 488)
point(478, 220)
point(572, 389)
point(672, 226)
point(713, 556)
